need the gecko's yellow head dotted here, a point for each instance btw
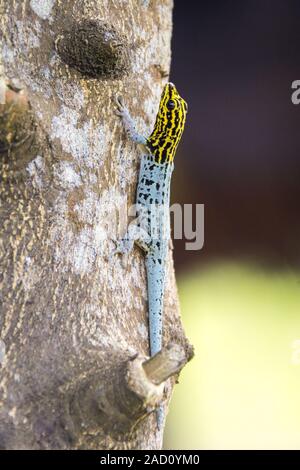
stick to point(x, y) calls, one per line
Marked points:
point(169, 125)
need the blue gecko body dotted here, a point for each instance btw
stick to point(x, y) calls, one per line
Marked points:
point(153, 201)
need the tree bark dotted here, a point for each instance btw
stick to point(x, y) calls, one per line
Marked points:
point(74, 368)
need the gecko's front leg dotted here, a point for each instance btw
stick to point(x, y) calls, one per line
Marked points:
point(128, 123)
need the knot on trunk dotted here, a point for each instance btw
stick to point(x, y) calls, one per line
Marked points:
point(131, 392)
point(94, 48)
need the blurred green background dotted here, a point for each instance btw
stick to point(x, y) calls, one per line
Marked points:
point(241, 390)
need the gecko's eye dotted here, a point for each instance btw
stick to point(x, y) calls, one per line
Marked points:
point(171, 104)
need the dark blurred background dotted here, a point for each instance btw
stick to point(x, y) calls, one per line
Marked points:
point(234, 62)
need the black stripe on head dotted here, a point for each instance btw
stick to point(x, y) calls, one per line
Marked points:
point(165, 152)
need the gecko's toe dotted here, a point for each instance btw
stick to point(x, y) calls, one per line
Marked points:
point(120, 103)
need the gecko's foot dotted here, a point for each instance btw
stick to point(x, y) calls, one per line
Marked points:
point(111, 256)
point(121, 248)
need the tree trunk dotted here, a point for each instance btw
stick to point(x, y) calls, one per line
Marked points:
point(74, 329)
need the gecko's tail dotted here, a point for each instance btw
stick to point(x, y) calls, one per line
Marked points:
point(156, 283)
point(160, 417)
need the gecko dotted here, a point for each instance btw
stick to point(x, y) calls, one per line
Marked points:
point(151, 229)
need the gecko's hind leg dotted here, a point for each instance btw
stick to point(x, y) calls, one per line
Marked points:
point(134, 235)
